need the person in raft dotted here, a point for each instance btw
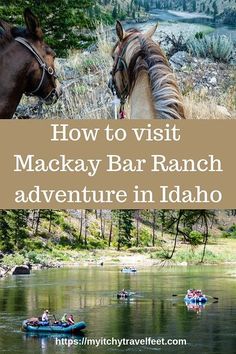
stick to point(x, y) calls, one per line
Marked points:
point(45, 316)
point(194, 293)
point(123, 292)
point(70, 320)
point(64, 319)
point(67, 320)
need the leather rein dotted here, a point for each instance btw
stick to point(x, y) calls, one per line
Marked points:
point(44, 67)
point(121, 65)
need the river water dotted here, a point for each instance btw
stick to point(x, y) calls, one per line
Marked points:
point(186, 23)
point(89, 293)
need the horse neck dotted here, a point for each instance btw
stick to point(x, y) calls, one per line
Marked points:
point(141, 103)
point(13, 69)
point(155, 93)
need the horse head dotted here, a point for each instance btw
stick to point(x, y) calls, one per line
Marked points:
point(122, 57)
point(41, 77)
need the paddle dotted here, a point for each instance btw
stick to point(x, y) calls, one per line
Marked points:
point(178, 294)
point(213, 297)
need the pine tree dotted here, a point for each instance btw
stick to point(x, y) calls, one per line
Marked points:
point(17, 220)
point(115, 12)
point(215, 9)
point(124, 223)
point(61, 21)
point(194, 6)
point(5, 238)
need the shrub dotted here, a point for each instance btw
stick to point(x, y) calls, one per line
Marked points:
point(36, 244)
point(199, 35)
point(67, 227)
point(232, 228)
point(218, 48)
point(174, 43)
point(11, 260)
point(231, 232)
point(195, 238)
point(65, 241)
point(34, 257)
point(94, 242)
point(162, 254)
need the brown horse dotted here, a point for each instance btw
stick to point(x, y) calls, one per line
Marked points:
point(141, 72)
point(26, 65)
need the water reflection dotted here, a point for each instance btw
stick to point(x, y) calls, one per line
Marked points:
point(43, 340)
point(90, 294)
point(195, 307)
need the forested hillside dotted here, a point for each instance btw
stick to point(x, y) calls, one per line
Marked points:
point(208, 6)
point(215, 8)
point(70, 24)
point(47, 232)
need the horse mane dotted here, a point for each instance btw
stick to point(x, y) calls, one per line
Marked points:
point(9, 32)
point(147, 56)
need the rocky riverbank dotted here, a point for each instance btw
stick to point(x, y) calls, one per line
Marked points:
point(220, 251)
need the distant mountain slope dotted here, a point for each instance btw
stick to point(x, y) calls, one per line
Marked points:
point(210, 7)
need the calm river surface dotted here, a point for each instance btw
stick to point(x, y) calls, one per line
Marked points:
point(186, 23)
point(89, 293)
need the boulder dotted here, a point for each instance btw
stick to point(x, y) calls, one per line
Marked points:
point(180, 59)
point(223, 111)
point(212, 80)
point(22, 269)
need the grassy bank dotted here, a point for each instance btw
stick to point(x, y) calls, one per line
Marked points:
point(55, 238)
point(216, 253)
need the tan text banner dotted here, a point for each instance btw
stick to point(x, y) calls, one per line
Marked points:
point(132, 164)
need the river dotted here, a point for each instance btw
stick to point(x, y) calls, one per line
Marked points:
point(89, 293)
point(186, 23)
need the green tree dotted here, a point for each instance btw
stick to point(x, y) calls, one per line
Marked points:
point(17, 220)
point(194, 5)
point(5, 238)
point(124, 223)
point(114, 12)
point(62, 21)
point(215, 9)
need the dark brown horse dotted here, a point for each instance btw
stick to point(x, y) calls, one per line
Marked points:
point(26, 65)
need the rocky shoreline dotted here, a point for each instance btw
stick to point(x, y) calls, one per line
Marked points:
point(111, 258)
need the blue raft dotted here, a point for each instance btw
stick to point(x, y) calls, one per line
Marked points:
point(53, 328)
point(129, 270)
point(195, 300)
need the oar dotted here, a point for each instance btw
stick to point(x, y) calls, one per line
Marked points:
point(131, 293)
point(178, 294)
point(213, 297)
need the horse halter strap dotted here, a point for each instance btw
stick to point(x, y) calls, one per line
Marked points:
point(45, 68)
point(125, 93)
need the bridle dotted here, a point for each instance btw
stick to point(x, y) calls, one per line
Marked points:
point(121, 65)
point(45, 70)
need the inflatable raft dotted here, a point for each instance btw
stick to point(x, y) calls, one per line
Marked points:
point(195, 300)
point(123, 296)
point(129, 270)
point(47, 328)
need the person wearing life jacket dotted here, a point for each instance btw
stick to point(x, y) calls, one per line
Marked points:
point(45, 315)
point(70, 320)
point(64, 318)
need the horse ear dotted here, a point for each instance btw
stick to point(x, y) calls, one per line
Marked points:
point(151, 31)
point(32, 24)
point(120, 31)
